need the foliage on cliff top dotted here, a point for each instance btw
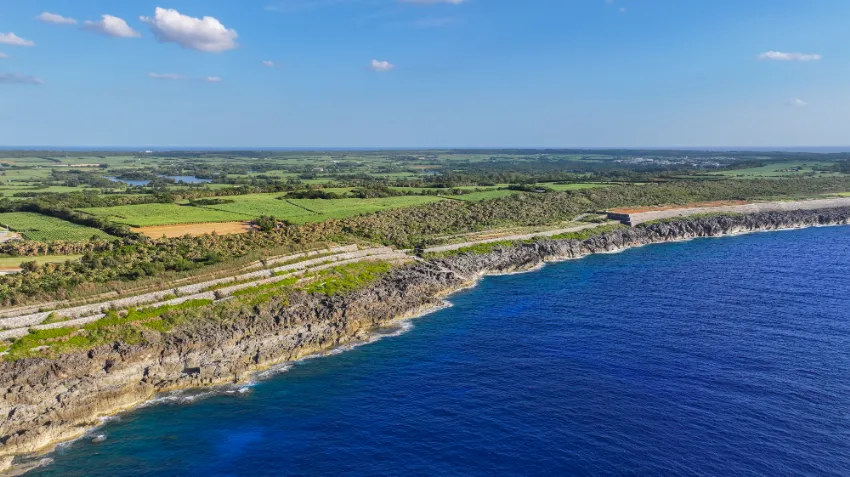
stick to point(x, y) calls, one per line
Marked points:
point(347, 278)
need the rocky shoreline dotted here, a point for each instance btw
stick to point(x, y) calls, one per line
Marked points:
point(50, 401)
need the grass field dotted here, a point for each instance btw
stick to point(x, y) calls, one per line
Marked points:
point(7, 263)
point(47, 229)
point(147, 215)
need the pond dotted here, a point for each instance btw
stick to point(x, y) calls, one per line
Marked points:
point(178, 179)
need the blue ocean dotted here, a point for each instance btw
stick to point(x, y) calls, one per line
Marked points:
point(716, 357)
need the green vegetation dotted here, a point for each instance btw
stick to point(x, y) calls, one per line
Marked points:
point(347, 278)
point(579, 186)
point(15, 262)
point(690, 217)
point(146, 215)
point(783, 169)
point(256, 205)
point(484, 195)
point(588, 233)
point(114, 327)
point(42, 228)
point(314, 210)
point(286, 283)
point(344, 208)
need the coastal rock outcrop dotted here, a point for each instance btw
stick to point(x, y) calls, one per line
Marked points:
point(48, 401)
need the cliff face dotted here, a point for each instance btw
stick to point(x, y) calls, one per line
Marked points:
point(47, 401)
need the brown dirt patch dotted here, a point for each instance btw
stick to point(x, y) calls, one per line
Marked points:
point(716, 203)
point(8, 237)
point(171, 231)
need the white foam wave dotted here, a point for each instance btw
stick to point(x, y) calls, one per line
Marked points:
point(189, 396)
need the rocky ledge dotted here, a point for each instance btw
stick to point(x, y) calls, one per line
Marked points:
point(49, 401)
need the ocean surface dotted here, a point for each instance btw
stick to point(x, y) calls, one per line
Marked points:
point(716, 357)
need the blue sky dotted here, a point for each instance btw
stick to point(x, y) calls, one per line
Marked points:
point(424, 73)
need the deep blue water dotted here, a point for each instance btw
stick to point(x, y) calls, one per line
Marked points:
point(721, 357)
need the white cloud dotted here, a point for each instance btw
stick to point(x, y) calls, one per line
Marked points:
point(268, 63)
point(55, 18)
point(166, 76)
point(433, 2)
point(622, 9)
point(206, 34)
point(382, 66)
point(111, 26)
point(3, 56)
point(212, 79)
point(14, 40)
point(14, 78)
point(798, 103)
point(780, 56)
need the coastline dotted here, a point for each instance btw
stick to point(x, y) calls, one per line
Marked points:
point(413, 294)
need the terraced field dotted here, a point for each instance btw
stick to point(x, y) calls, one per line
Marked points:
point(47, 229)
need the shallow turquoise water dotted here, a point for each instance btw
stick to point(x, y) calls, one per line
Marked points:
point(713, 357)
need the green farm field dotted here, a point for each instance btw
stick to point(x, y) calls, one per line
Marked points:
point(247, 207)
point(147, 215)
point(313, 210)
point(341, 208)
point(47, 229)
point(781, 169)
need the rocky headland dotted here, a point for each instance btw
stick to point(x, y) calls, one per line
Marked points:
point(47, 401)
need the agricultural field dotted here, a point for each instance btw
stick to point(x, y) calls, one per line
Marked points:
point(312, 210)
point(341, 208)
point(781, 169)
point(47, 229)
point(147, 215)
point(255, 205)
